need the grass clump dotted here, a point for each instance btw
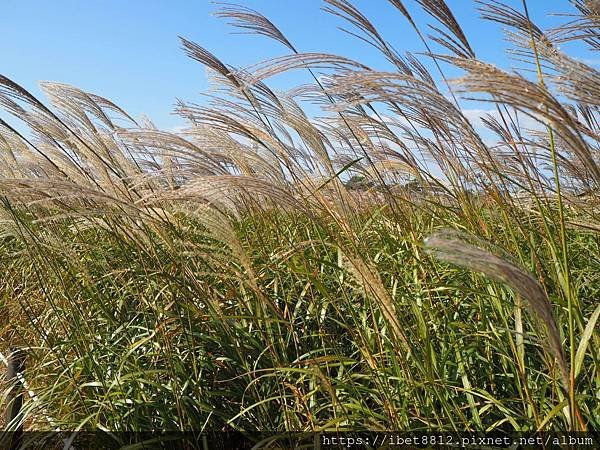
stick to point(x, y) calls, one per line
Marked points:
point(265, 270)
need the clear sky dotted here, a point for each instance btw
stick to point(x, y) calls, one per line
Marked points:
point(129, 51)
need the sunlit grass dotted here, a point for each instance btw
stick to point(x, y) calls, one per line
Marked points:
point(230, 278)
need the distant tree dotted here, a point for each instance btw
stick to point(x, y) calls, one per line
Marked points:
point(359, 183)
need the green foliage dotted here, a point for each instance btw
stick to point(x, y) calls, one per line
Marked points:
point(228, 279)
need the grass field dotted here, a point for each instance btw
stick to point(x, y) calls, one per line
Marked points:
point(381, 265)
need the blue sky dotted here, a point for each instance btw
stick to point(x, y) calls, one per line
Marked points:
point(129, 52)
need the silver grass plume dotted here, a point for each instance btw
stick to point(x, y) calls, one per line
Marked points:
point(453, 247)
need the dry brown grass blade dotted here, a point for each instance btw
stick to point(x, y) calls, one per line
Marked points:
point(579, 81)
point(170, 145)
point(75, 104)
point(348, 12)
point(252, 21)
point(43, 121)
point(266, 69)
point(370, 282)
point(454, 38)
point(506, 15)
point(533, 100)
point(585, 26)
point(234, 191)
point(206, 58)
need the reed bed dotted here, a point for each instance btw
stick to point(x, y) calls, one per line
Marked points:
point(380, 265)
